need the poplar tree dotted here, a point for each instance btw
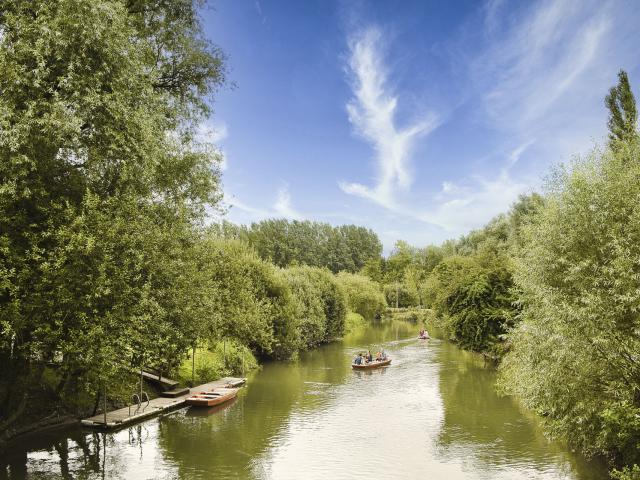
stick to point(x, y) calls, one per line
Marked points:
point(623, 114)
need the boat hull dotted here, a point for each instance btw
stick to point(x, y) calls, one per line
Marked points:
point(374, 364)
point(212, 398)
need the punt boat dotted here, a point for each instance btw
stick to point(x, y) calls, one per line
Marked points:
point(213, 397)
point(374, 364)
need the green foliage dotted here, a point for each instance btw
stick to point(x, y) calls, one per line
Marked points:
point(627, 473)
point(215, 360)
point(248, 299)
point(102, 187)
point(574, 358)
point(353, 321)
point(623, 114)
point(307, 289)
point(405, 296)
point(364, 296)
point(473, 296)
point(286, 243)
point(413, 315)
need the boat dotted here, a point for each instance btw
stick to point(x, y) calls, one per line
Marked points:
point(212, 397)
point(424, 337)
point(373, 364)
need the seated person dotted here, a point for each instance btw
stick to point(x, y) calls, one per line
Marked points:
point(358, 359)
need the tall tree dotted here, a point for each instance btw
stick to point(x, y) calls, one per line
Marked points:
point(623, 114)
point(102, 185)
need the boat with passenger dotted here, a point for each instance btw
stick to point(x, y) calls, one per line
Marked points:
point(372, 364)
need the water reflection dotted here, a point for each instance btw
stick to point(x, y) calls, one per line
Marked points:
point(493, 433)
point(432, 412)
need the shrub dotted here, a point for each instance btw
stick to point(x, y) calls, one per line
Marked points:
point(363, 294)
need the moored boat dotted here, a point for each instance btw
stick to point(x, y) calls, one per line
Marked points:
point(373, 364)
point(213, 397)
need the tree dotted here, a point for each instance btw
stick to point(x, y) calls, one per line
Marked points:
point(623, 114)
point(574, 357)
point(102, 186)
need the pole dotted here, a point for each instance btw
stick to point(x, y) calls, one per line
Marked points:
point(104, 392)
point(397, 294)
point(224, 351)
point(193, 366)
point(141, 381)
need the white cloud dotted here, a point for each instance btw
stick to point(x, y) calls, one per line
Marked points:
point(372, 112)
point(209, 132)
point(281, 207)
point(528, 68)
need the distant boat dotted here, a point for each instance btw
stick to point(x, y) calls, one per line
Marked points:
point(374, 364)
point(212, 398)
point(424, 337)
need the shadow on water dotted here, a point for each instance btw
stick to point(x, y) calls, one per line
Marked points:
point(433, 410)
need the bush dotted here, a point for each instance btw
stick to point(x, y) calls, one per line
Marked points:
point(363, 295)
point(406, 297)
point(210, 362)
point(249, 300)
point(321, 303)
point(353, 322)
point(473, 296)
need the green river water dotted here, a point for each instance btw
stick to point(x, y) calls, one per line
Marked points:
point(432, 414)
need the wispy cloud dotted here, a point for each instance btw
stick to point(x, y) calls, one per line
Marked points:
point(536, 59)
point(282, 207)
point(372, 112)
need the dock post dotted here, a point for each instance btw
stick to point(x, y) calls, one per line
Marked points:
point(193, 366)
point(104, 391)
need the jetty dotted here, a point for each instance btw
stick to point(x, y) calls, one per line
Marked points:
point(135, 413)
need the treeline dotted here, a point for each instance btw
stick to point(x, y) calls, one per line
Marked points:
point(285, 243)
point(106, 265)
point(551, 289)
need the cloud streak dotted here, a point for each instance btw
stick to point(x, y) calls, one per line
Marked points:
point(281, 208)
point(372, 112)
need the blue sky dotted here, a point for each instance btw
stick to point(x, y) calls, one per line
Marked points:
point(421, 120)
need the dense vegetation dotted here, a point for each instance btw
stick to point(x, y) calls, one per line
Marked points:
point(105, 263)
point(286, 243)
point(551, 289)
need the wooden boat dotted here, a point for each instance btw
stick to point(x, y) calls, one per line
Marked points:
point(424, 337)
point(374, 364)
point(212, 398)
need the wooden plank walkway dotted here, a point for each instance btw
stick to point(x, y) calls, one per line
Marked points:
point(126, 415)
point(164, 381)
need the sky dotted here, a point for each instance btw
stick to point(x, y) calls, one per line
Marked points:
point(421, 120)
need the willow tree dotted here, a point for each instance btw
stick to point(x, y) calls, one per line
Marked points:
point(98, 161)
point(574, 357)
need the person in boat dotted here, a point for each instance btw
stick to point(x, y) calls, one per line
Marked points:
point(378, 356)
point(422, 332)
point(369, 357)
point(358, 359)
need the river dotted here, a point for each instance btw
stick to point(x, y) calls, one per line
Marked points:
point(433, 413)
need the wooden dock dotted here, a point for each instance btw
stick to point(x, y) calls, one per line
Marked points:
point(128, 415)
